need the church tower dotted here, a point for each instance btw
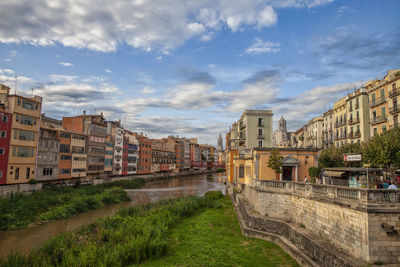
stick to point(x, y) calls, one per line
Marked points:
point(220, 145)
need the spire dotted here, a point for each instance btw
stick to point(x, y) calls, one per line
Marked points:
point(220, 145)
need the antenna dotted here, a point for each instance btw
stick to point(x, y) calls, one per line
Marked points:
point(16, 80)
point(32, 91)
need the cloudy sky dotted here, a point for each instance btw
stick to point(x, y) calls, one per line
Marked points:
point(190, 67)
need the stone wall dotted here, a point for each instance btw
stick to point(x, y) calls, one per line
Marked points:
point(307, 249)
point(349, 224)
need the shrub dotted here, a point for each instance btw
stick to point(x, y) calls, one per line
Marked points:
point(33, 181)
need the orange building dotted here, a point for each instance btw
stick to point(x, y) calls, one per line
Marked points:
point(65, 161)
point(144, 165)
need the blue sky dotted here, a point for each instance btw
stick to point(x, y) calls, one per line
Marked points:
point(190, 68)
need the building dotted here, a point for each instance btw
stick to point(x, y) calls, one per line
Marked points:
point(133, 152)
point(328, 128)
point(144, 165)
point(78, 154)
point(281, 135)
point(383, 102)
point(313, 133)
point(48, 154)
point(163, 156)
point(125, 145)
point(22, 156)
point(116, 133)
point(95, 128)
point(108, 158)
point(5, 136)
point(253, 129)
point(254, 165)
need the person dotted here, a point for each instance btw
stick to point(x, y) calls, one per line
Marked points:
point(385, 184)
point(305, 179)
point(392, 186)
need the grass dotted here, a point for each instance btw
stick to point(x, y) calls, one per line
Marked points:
point(60, 202)
point(213, 238)
point(131, 236)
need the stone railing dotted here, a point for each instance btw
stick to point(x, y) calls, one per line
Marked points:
point(365, 198)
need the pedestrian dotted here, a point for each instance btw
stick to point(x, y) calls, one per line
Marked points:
point(385, 184)
point(392, 186)
point(305, 179)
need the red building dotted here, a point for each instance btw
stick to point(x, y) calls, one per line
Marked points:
point(144, 165)
point(5, 134)
point(125, 150)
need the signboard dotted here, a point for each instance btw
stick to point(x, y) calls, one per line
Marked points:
point(367, 165)
point(352, 157)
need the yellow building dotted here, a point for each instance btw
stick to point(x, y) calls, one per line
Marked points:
point(79, 156)
point(378, 106)
point(393, 85)
point(24, 136)
point(254, 165)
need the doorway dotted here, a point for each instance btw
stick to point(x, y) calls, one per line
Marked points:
point(287, 173)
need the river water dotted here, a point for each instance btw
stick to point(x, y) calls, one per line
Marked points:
point(23, 240)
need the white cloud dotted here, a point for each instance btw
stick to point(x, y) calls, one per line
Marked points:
point(261, 47)
point(147, 90)
point(145, 25)
point(66, 64)
point(13, 53)
point(108, 70)
point(6, 71)
point(62, 78)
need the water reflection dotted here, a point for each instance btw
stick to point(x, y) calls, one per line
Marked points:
point(23, 240)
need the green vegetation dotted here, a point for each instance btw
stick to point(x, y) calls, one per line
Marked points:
point(275, 161)
point(381, 151)
point(314, 171)
point(213, 238)
point(60, 202)
point(148, 235)
point(221, 170)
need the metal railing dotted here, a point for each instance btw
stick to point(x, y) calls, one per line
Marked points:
point(394, 109)
point(376, 120)
point(376, 102)
point(394, 92)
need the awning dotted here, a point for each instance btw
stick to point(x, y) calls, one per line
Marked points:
point(333, 174)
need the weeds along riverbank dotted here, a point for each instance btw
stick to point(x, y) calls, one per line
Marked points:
point(54, 202)
point(131, 236)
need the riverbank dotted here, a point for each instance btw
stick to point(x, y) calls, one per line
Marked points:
point(54, 203)
point(191, 231)
point(27, 188)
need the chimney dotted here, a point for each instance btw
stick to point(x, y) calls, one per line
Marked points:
point(84, 113)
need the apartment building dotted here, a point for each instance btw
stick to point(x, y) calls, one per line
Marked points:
point(125, 154)
point(358, 129)
point(328, 128)
point(133, 152)
point(116, 133)
point(78, 154)
point(393, 85)
point(5, 137)
point(24, 135)
point(48, 154)
point(313, 133)
point(253, 129)
point(163, 156)
point(95, 128)
point(340, 117)
point(108, 158)
point(144, 165)
point(65, 161)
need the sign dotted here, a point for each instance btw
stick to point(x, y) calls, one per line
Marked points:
point(367, 165)
point(352, 157)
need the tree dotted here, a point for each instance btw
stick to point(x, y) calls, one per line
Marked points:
point(275, 162)
point(384, 150)
point(333, 156)
point(314, 171)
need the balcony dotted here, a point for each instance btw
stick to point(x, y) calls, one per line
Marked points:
point(242, 125)
point(394, 109)
point(394, 92)
point(260, 136)
point(355, 134)
point(354, 121)
point(357, 106)
point(242, 136)
point(380, 119)
point(350, 108)
point(376, 102)
point(340, 123)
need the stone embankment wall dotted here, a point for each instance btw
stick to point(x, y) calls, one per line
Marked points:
point(350, 219)
point(7, 190)
point(300, 243)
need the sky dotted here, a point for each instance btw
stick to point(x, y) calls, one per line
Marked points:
point(191, 67)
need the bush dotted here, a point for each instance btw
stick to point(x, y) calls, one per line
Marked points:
point(214, 195)
point(33, 181)
point(314, 172)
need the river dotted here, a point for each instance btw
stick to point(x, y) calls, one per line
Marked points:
point(26, 239)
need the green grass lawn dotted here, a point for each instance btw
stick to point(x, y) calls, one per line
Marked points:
point(213, 238)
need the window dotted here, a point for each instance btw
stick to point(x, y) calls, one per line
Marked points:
point(47, 171)
point(241, 171)
point(1, 174)
point(65, 171)
point(260, 122)
point(260, 143)
point(28, 104)
point(260, 132)
point(5, 119)
point(65, 157)
point(16, 173)
point(375, 131)
point(3, 134)
point(383, 112)
point(28, 170)
point(23, 152)
point(24, 135)
point(65, 135)
point(383, 128)
point(64, 148)
point(2, 150)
